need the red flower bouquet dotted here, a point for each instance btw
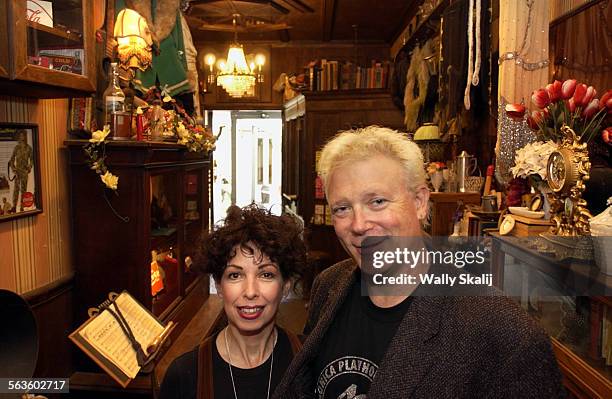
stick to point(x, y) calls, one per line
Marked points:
point(569, 103)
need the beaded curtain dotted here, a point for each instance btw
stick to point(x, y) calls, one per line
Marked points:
point(523, 67)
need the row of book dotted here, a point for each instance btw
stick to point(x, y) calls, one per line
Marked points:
point(322, 214)
point(324, 75)
point(601, 332)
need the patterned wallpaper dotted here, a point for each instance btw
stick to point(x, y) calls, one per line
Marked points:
point(35, 251)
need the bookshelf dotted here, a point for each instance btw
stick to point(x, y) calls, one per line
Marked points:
point(341, 75)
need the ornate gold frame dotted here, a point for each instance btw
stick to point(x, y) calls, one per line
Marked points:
point(570, 216)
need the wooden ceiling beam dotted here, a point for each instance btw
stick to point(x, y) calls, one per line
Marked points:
point(277, 6)
point(299, 5)
point(274, 4)
point(242, 29)
point(407, 15)
point(329, 17)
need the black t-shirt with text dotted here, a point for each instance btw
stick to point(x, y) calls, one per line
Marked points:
point(354, 345)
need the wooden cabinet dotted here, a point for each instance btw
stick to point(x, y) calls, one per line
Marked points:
point(48, 51)
point(162, 205)
point(311, 120)
point(553, 293)
point(444, 206)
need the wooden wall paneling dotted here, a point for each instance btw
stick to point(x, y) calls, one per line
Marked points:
point(326, 114)
point(56, 192)
point(285, 58)
point(4, 51)
point(36, 250)
point(52, 307)
point(329, 17)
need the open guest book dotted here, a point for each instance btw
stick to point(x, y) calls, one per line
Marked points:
point(121, 336)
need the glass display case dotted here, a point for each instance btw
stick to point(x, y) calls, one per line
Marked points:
point(195, 213)
point(164, 240)
point(52, 42)
point(144, 237)
point(554, 292)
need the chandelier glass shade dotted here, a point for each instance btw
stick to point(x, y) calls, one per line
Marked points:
point(235, 75)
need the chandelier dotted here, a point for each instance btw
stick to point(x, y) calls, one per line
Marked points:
point(237, 77)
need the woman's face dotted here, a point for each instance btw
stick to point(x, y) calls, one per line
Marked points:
point(251, 288)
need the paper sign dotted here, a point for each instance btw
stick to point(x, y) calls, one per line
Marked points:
point(41, 12)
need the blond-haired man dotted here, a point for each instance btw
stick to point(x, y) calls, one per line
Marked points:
point(404, 345)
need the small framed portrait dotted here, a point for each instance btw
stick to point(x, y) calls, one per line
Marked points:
point(20, 193)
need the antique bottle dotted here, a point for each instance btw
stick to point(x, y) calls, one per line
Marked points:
point(114, 99)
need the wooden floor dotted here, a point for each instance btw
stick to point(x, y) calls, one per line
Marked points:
point(291, 316)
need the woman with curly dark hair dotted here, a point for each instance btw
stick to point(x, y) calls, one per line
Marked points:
point(253, 257)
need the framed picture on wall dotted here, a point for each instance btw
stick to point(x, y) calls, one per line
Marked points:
point(20, 193)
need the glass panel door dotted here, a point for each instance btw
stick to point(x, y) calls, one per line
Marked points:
point(165, 271)
point(55, 35)
point(194, 222)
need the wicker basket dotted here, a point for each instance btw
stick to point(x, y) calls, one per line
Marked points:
point(474, 183)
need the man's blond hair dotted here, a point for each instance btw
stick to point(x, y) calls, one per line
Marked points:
point(361, 144)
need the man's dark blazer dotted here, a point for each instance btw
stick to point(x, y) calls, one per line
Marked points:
point(445, 347)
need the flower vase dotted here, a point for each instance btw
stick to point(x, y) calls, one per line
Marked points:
point(436, 180)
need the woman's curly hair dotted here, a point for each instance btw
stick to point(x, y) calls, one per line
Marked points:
point(279, 237)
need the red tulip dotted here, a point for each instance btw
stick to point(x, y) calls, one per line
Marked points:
point(604, 99)
point(591, 108)
point(606, 135)
point(581, 90)
point(568, 88)
point(540, 98)
point(588, 96)
point(515, 111)
point(554, 90)
point(571, 105)
point(535, 119)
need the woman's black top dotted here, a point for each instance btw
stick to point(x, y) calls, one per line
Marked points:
point(181, 380)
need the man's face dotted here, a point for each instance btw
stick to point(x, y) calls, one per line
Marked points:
point(370, 198)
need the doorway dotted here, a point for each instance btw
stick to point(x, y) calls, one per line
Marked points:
point(247, 160)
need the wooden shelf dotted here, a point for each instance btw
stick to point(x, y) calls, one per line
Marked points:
point(67, 35)
point(425, 30)
point(349, 92)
